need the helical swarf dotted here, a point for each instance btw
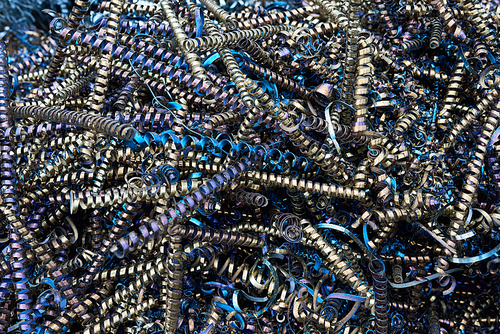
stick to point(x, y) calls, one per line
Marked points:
point(96, 99)
point(404, 123)
point(230, 39)
point(275, 180)
point(436, 31)
point(122, 316)
point(222, 237)
point(377, 270)
point(256, 52)
point(323, 137)
point(397, 273)
point(476, 15)
point(191, 58)
point(213, 318)
point(220, 14)
point(126, 93)
point(249, 198)
point(452, 95)
point(449, 22)
point(335, 15)
point(273, 77)
point(75, 18)
point(335, 261)
point(172, 284)
point(273, 18)
point(245, 131)
point(362, 88)
point(88, 121)
point(410, 46)
point(474, 171)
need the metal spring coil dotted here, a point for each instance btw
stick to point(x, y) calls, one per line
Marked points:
point(353, 260)
point(377, 269)
point(125, 194)
point(248, 226)
point(223, 100)
point(124, 53)
point(245, 131)
point(297, 201)
point(221, 97)
point(33, 76)
point(342, 132)
point(211, 43)
point(327, 74)
point(398, 214)
point(67, 266)
point(96, 226)
point(204, 257)
point(223, 118)
point(471, 113)
point(311, 208)
point(122, 220)
point(401, 306)
point(321, 30)
point(97, 96)
point(151, 28)
point(312, 149)
point(363, 177)
point(29, 64)
point(122, 295)
point(415, 294)
point(351, 60)
point(415, 27)
point(57, 88)
point(132, 270)
point(387, 228)
point(213, 317)
point(436, 31)
point(75, 88)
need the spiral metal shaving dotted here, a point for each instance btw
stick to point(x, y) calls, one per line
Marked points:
point(241, 167)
